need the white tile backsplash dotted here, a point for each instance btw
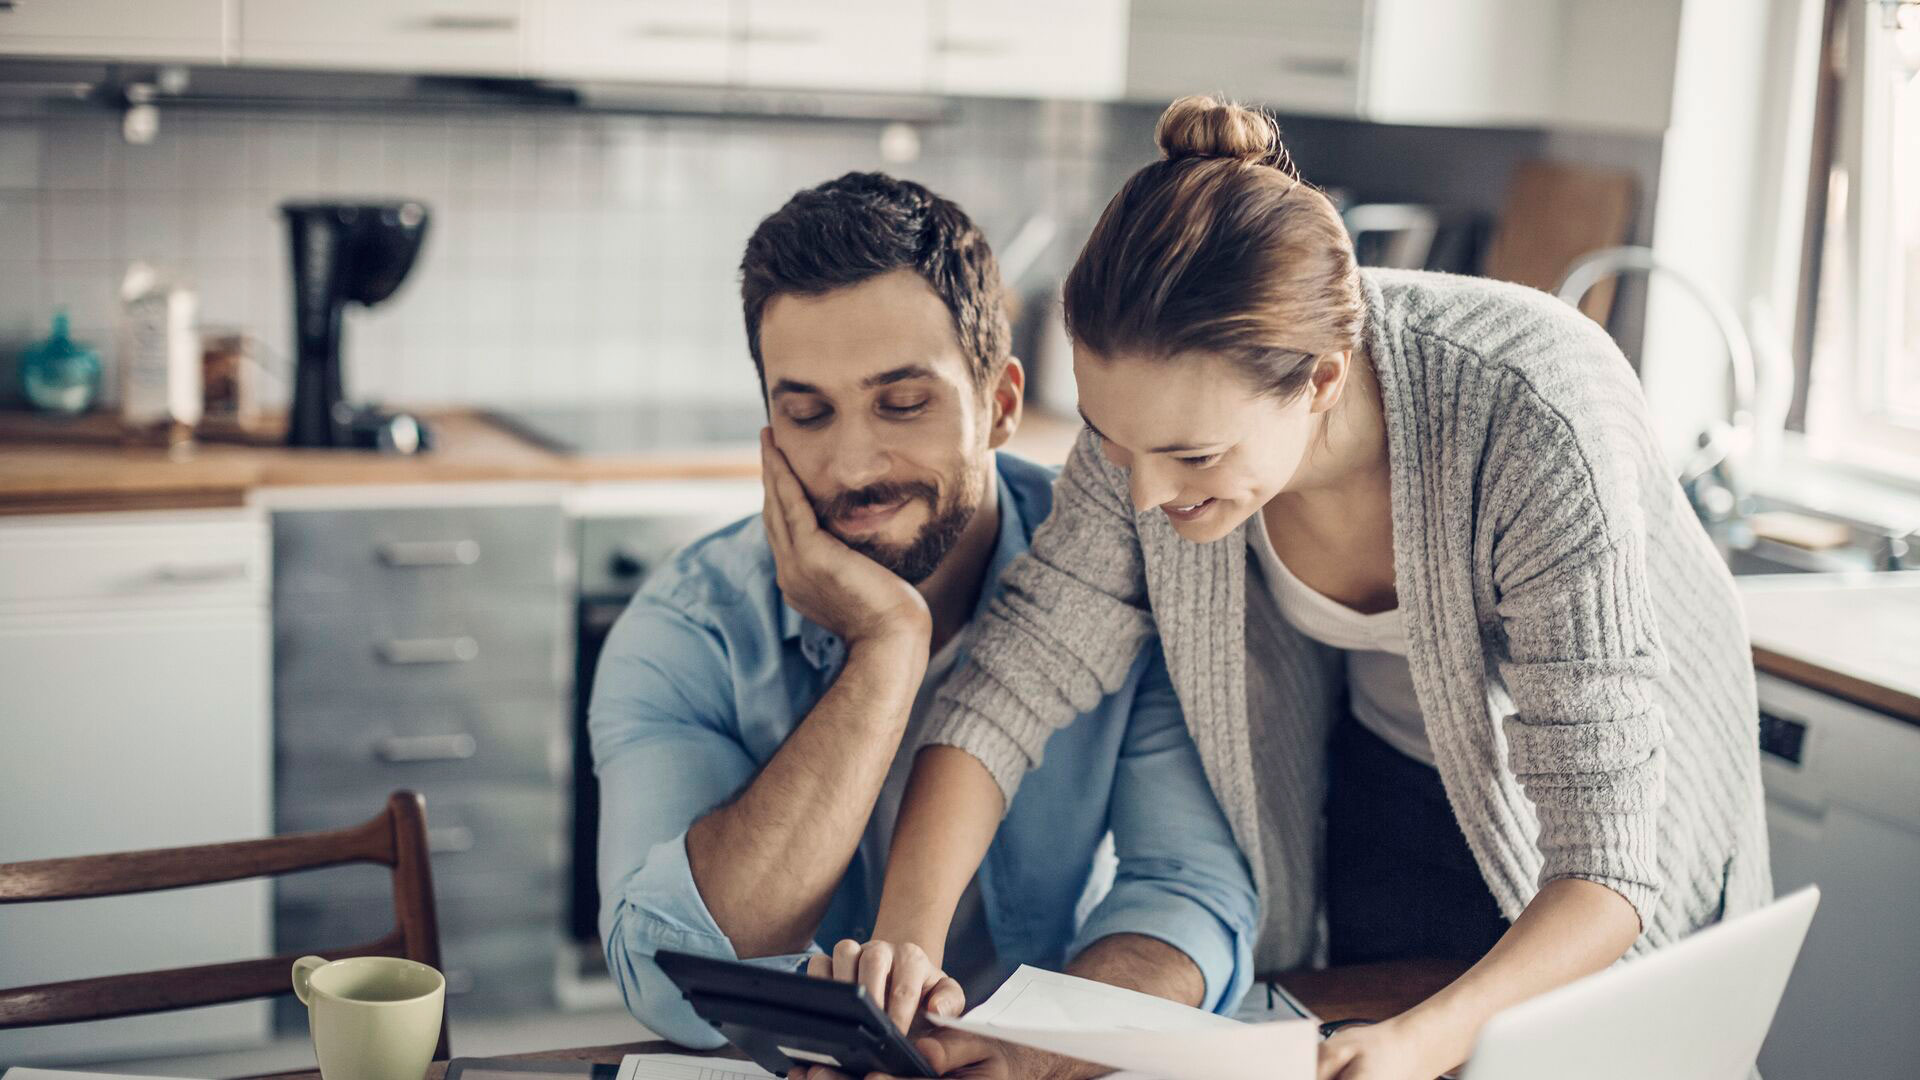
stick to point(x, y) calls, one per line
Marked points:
point(20, 157)
point(571, 258)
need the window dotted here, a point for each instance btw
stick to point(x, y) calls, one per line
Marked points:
point(1861, 295)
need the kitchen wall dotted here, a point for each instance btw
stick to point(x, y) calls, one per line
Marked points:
point(578, 257)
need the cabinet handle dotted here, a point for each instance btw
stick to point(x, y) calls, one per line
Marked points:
point(448, 650)
point(973, 47)
point(680, 32)
point(200, 573)
point(449, 840)
point(1321, 67)
point(784, 36)
point(9, 5)
point(409, 749)
point(416, 553)
point(466, 24)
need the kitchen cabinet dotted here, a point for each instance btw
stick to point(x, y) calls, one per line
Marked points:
point(873, 45)
point(1031, 48)
point(134, 659)
point(427, 647)
point(1541, 63)
point(694, 42)
point(1843, 812)
point(480, 37)
point(114, 29)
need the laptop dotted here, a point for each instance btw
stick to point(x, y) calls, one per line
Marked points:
point(1696, 1010)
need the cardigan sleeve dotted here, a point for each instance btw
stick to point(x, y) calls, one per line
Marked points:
point(1064, 631)
point(1581, 648)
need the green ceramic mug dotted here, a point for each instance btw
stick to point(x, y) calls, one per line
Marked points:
point(372, 1017)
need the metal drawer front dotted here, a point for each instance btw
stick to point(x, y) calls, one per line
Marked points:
point(412, 554)
point(497, 952)
point(485, 840)
point(377, 653)
point(409, 744)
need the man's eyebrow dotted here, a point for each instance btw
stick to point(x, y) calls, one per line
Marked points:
point(791, 386)
point(899, 374)
point(1175, 449)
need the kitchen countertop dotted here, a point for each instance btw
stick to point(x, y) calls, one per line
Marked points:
point(71, 466)
point(1855, 636)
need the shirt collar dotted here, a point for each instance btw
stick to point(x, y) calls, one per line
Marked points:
point(824, 649)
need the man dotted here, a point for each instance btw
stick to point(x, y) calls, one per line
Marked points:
point(755, 712)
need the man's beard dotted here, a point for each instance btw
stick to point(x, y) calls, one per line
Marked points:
point(917, 559)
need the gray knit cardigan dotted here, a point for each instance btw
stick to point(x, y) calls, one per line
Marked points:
point(1539, 539)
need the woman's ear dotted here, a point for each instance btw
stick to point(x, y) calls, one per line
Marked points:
point(1328, 380)
point(1006, 397)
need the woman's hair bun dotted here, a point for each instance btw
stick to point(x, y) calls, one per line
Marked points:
point(1206, 127)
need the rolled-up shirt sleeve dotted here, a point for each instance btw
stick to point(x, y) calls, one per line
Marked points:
point(665, 751)
point(1181, 878)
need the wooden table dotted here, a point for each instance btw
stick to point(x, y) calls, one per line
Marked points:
point(1369, 991)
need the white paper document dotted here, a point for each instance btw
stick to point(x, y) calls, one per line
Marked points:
point(1144, 1035)
point(686, 1067)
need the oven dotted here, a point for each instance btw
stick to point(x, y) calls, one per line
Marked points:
point(622, 535)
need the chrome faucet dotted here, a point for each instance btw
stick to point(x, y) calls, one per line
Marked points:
point(1716, 476)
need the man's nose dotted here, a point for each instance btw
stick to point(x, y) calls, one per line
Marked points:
point(857, 456)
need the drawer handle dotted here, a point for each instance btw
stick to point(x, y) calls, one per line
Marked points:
point(448, 650)
point(449, 840)
point(408, 749)
point(681, 32)
point(416, 553)
point(200, 573)
point(471, 23)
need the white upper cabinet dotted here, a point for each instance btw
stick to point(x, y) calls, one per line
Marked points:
point(1293, 55)
point(695, 42)
point(115, 29)
point(1031, 48)
point(872, 45)
point(1458, 62)
point(479, 37)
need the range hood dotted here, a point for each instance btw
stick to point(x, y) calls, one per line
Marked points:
point(120, 85)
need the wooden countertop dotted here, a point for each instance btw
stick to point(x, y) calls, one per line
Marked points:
point(1855, 636)
point(80, 465)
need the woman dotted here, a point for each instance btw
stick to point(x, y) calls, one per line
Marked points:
point(1416, 564)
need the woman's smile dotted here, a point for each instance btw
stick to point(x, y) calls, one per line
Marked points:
point(1189, 511)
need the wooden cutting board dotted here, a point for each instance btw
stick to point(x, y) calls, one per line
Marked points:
point(1554, 213)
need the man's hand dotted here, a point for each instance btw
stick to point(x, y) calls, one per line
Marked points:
point(961, 1055)
point(824, 579)
point(900, 978)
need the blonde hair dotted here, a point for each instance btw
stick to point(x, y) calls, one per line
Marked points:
point(1219, 248)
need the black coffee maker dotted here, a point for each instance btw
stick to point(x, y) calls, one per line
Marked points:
point(341, 252)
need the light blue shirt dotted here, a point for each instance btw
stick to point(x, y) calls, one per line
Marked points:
point(708, 672)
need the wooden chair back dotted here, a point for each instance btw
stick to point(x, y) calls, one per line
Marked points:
point(396, 838)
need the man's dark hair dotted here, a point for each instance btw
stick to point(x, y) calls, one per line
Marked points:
point(862, 225)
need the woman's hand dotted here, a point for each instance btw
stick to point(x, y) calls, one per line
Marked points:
point(1389, 1050)
point(825, 580)
point(900, 978)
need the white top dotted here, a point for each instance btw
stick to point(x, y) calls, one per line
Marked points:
point(1379, 681)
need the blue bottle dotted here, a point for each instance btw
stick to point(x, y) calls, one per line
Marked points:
point(60, 375)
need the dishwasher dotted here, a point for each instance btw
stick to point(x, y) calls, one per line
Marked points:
point(1843, 811)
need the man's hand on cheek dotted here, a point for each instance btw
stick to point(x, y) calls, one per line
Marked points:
point(824, 579)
